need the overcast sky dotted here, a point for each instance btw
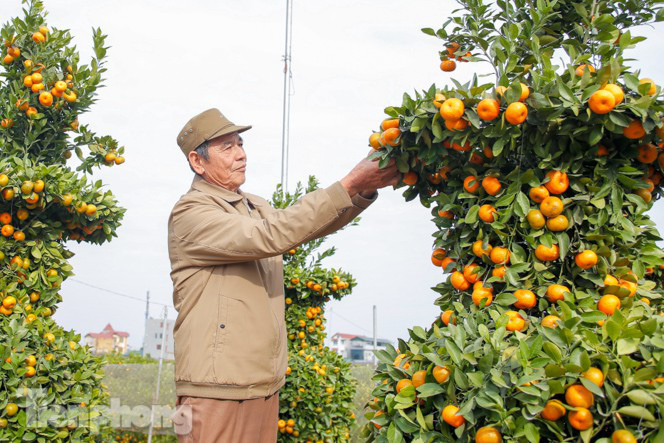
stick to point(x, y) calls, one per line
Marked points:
point(170, 60)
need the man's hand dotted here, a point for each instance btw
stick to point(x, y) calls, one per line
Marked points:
point(366, 177)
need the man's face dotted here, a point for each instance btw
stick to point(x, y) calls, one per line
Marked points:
point(226, 164)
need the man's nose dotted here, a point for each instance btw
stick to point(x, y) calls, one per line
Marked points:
point(241, 154)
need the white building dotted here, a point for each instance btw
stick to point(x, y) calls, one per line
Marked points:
point(357, 348)
point(154, 329)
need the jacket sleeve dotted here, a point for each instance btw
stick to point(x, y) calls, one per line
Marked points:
point(359, 204)
point(206, 235)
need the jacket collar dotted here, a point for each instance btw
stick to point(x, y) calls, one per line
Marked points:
point(208, 188)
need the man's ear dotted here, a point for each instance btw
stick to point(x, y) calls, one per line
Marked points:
point(196, 162)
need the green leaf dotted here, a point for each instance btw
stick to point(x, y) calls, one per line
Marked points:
point(637, 411)
point(641, 397)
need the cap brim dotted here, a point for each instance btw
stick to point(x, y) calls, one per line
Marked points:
point(229, 130)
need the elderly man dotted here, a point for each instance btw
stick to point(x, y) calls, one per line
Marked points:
point(225, 248)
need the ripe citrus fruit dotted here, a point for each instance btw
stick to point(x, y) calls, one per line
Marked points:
point(472, 273)
point(410, 178)
point(608, 304)
point(544, 253)
point(450, 417)
point(538, 194)
point(452, 109)
point(516, 113)
point(488, 109)
point(652, 90)
point(558, 182)
point(488, 434)
point(622, 436)
point(556, 292)
point(581, 419)
point(448, 316)
point(525, 299)
point(515, 322)
point(437, 257)
point(617, 91)
point(552, 207)
point(647, 153)
point(486, 213)
point(374, 140)
point(586, 259)
point(499, 255)
point(558, 223)
point(582, 68)
point(471, 184)
point(389, 123)
point(441, 374)
point(595, 375)
point(419, 378)
point(536, 219)
point(458, 281)
point(553, 410)
point(634, 130)
point(550, 321)
point(602, 102)
point(578, 396)
point(491, 185)
point(478, 251)
point(480, 294)
point(391, 136)
point(448, 65)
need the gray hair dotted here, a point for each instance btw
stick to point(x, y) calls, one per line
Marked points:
point(203, 151)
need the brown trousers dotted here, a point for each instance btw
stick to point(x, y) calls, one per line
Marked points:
point(209, 420)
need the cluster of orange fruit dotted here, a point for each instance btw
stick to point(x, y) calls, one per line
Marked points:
point(551, 207)
point(288, 426)
point(9, 302)
point(390, 134)
point(336, 285)
point(113, 158)
point(447, 63)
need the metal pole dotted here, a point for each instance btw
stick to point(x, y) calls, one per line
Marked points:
point(147, 306)
point(375, 337)
point(283, 120)
point(155, 399)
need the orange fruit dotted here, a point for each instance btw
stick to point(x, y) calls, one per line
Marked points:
point(458, 125)
point(476, 159)
point(644, 194)
point(437, 256)
point(516, 322)
point(397, 361)
point(578, 396)
point(19, 236)
point(488, 153)
point(46, 99)
point(545, 253)
point(441, 374)
point(419, 378)
point(498, 272)
point(538, 194)
point(22, 214)
point(556, 293)
point(410, 178)
point(480, 294)
point(488, 109)
point(536, 219)
point(582, 68)
point(486, 213)
point(459, 282)
point(9, 302)
point(448, 65)
point(446, 264)
point(472, 273)
point(43, 30)
point(630, 286)
point(622, 436)
point(450, 417)
point(446, 317)
point(525, 92)
point(7, 230)
point(376, 415)
point(478, 251)
point(471, 184)
point(602, 102)
point(525, 299)
point(452, 48)
point(602, 151)
point(404, 382)
point(552, 207)
point(5, 218)
point(389, 123)
point(438, 100)
point(70, 97)
point(595, 375)
point(586, 259)
point(488, 434)
point(446, 214)
point(390, 137)
point(558, 182)
point(491, 185)
point(553, 410)
point(516, 113)
point(60, 86)
point(550, 321)
point(608, 304)
point(374, 140)
point(647, 153)
point(452, 109)
point(558, 223)
point(616, 91)
point(581, 419)
point(653, 88)
point(634, 130)
point(499, 255)
point(31, 112)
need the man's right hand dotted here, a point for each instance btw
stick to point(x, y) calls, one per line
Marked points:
point(366, 177)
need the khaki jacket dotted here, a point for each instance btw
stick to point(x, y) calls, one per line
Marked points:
point(226, 265)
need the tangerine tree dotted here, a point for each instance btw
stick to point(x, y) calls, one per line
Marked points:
point(539, 181)
point(44, 88)
point(316, 403)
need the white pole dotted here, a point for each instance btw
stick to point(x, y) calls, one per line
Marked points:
point(155, 399)
point(375, 338)
point(286, 99)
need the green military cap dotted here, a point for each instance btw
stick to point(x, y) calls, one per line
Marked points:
point(206, 126)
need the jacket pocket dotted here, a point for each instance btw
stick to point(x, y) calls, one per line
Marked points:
point(246, 355)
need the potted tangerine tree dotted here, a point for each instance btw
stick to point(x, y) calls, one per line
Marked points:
point(539, 184)
point(43, 90)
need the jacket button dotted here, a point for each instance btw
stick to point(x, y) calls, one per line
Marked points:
point(222, 326)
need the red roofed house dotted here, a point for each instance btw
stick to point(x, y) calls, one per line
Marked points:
point(107, 341)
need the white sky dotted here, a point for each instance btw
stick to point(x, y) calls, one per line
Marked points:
point(171, 59)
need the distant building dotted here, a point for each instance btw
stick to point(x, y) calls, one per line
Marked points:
point(357, 348)
point(154, 329)
point(107, 341)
